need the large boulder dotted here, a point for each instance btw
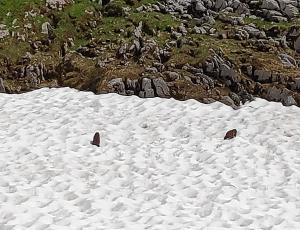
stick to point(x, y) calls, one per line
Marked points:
point(220, 5)
point(291, 11)
point(270, 5)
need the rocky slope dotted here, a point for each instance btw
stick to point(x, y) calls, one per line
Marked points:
point(207, 50)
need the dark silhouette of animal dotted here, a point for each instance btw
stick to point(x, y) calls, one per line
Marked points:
point(230, 134)
point(96, 139)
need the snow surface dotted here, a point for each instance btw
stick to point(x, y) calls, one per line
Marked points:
point(162, 164)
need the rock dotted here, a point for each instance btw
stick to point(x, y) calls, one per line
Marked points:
point(113, 10)
point(182, 29)
point(245, 96)
point(228, 74)
point(57, 4)
point(228, 101)
point(171, 76)
point(296, 84)
point(87, 52)
point(204, 79)
point(96, 139)
point(149, 93)
point(146, 89)
point(249, 70)
point(164, 56)
point(161, 88)
point(208, 100)
point(281, 95)
point(146, 84)
point(132, 85)
point(289, 101)
point(288, 60)
point(199, 30)
point(121, 52)
point(235, 98)
point(151, 70)
point(230, 134)
point(274, 94)
point(2, 87)
point(117, 86)
point(262, 76)
point(291, 11)
point(297, 45)
point(46, 28)
point(138, 30)
point(270, 5)
point(3, 32)
point(220, 5)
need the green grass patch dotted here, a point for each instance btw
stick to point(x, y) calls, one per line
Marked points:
point(13, 49)
point(154, 20)
point(265, 25)
point(15, 9)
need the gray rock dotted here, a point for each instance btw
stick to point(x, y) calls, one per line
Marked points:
point(262, 76)
point(138, 30)
point(254, 32)
point(291, 11)
point(46, 28)
point(228, 101)
point(132, 85)
point(200, 7)
point(161, 88)
point(199, 30)
point(3, 31)
point(228, 73)
point(171, 76)
point(220, 5)
point(245, 96)
point(297, 45)
point(270, 5)
point(151, 70)
point(121, 52)
point(146, 84)
point(296, 84)
point(2, 87)
point(117, 86)
point(249, 70)
point(208, 100)
point(182, 29)
point(129, 92)
point(289, 101)
point(281, 95)
point(235, 98)
point(149, 93)
point(204, 79)
point(274, 94)
point(57, 4)
point(288, 60)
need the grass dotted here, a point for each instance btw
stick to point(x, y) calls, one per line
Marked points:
point(12, 49)
point(15, 9)
point(155, 20)
point(265, 25)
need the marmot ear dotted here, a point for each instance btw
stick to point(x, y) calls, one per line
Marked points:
point(96, 139)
